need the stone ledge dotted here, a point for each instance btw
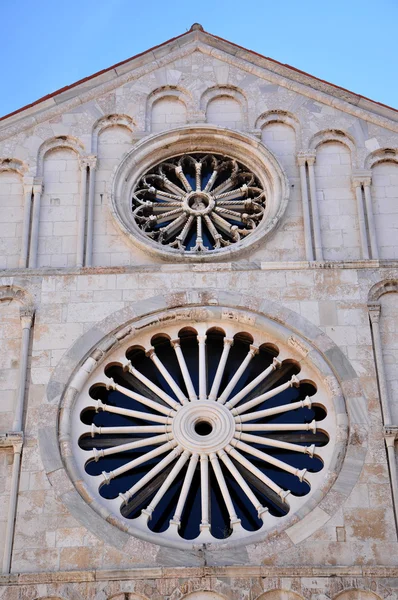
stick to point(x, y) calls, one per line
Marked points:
point(11, 439)
point(202, 267)
point(198, 572)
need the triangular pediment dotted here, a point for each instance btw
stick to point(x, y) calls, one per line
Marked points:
point(164, 61)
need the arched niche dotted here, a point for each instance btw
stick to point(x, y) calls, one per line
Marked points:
point(280, 116)
point(113, 143)
point(167, 107)
point(280, 133)
point(203, 595)
point(61, 141)
point(279, 594)
point(60, 202)
point(335, 135)
point(13, 301)
point(225, 106)
point(10, 344)
point(127, 596)
point(336, 197)
point(167, 112)
point(356, 594)
point(49, 598)
point(384, 192)
point(389, 340)
point(11, 211)
point(109, 121)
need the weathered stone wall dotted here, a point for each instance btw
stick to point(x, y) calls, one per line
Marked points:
point(209, 583)
point(193, 89)
point(347, 546)
point(362, 529)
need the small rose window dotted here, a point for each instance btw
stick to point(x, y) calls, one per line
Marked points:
point(198, 203)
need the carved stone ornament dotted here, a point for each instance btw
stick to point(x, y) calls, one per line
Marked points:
point(198, 202)
point(198, 193)
point(193, 434)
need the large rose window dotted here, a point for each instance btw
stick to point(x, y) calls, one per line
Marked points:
point(199, 433)
point(198, 202)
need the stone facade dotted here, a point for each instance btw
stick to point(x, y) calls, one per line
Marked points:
point(74, 285)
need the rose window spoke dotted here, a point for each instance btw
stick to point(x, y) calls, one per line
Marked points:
point(198, 203)
point(203, 436)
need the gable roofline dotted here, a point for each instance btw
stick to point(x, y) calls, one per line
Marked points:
point(282, 68)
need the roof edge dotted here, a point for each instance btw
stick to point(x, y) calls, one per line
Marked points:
point(357, 99)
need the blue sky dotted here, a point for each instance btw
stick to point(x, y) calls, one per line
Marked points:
point(47, 44)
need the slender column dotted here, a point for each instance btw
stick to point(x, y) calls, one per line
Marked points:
point(371, 222)
point(390, 432)
point(92, 164)
point(204, 492)
point(12, 508)
point(228, 342)
point(202, 367)
point(374, 315)
point(34, 237)
point(26, 323)
point(81, 228)
point(28, 193)
point(357, 183)
point(314, 205)
point(26, 315)
point(390, 436)
point(306, 207)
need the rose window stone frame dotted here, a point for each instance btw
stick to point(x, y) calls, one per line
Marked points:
point(96, 516)
point(201, 140)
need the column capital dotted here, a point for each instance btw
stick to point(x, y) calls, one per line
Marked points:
point(390, 434)
point(26, 314)
point(357, 182)
point(91, 161)
point(37, 185)
point(28, 183)
point(306, 156)
point(374, 309)
point(11, 439)
point(361, 177)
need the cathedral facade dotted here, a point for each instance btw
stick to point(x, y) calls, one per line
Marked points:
point(199, 334)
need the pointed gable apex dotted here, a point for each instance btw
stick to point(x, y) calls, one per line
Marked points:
point(197, 38)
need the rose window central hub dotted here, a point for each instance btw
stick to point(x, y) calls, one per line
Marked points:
point(203, 427)
point(198, 204)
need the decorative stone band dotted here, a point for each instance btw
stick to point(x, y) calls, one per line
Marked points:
point(12, 439)
point(91, 350)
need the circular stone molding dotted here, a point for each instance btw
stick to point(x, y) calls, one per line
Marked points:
point(205, 426)
point(175, 168)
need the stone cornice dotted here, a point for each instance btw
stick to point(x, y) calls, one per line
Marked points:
point(12, 439)
point(391, 431)
point(9, 274)
point(234, 571)
point(181, 47)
